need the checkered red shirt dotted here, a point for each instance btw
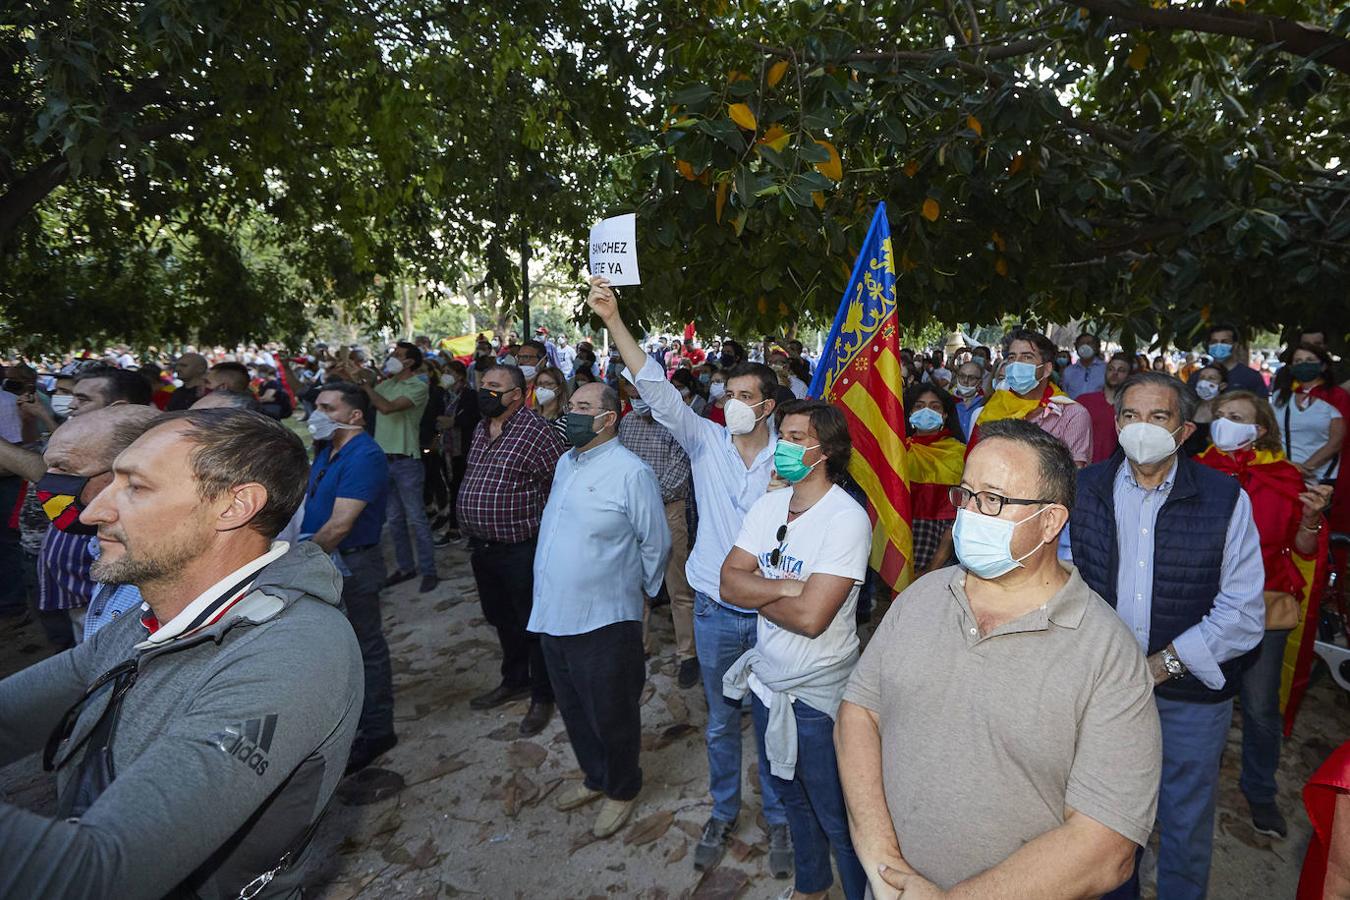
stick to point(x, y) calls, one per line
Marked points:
point(506, 482)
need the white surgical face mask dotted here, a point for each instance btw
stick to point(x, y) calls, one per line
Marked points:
point(322, 428)
point(393, 366)
point(984, 543)
point(1207, 390)
point(966, 390)
point(1228, 435)
point(545, 396)
point(740, 416)
point(61, 404)
point(717, 390)
point(529, 372)
point(1145, 443)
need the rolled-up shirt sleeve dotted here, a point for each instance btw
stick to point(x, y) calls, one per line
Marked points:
point(667, 406)
point(1237, 621)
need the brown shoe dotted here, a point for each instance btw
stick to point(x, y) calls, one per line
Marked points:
point(536, 718)
point(614, 814)
point(575, 796)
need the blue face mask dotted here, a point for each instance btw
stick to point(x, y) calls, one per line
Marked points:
point(925, 419)
point(984, 543)
point(1021, 377)
point(1220, 352)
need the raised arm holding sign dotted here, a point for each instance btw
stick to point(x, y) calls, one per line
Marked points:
point(613, 250)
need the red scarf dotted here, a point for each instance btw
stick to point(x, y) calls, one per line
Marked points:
point(1273, 484)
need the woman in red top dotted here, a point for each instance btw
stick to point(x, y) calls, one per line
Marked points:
point(935, 459)
point(1288, 517)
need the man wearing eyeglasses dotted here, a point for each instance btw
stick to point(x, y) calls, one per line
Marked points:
point(344, 514)
point(998, 735)
point(603, 544)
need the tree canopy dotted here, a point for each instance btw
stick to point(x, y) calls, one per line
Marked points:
point(1149, 167)
point(183, 169)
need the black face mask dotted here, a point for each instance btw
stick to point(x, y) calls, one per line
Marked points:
point(728, 360)
point(60, 499)
point(490, 402)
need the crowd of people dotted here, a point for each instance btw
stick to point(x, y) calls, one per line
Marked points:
point(1108, 550)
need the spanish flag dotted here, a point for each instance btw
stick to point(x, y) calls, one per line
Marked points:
point(859, 371)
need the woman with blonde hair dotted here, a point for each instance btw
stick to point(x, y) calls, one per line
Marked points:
point(550, 397)
point(1288, 518)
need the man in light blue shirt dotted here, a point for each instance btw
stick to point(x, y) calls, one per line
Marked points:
point(1172, 545)
point(109, 601)
point(731, 466)
point(1088, 374)
point(603, 544)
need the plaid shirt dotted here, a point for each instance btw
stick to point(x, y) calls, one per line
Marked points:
point(653, 443)
point(506, 482)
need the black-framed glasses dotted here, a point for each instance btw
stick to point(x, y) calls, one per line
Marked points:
point(777, 554)
point(987, 502)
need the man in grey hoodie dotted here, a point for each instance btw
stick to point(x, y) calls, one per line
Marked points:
point(195, 745)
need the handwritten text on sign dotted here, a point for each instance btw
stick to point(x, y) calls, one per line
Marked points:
point(614, 249)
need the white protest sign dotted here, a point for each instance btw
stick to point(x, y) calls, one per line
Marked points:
point(614, 249)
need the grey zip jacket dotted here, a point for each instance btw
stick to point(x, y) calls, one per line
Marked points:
point(229, 745)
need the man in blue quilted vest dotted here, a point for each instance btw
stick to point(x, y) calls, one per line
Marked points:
point(1171, 545)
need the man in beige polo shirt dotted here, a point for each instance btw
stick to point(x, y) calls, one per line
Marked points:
point(999, 736)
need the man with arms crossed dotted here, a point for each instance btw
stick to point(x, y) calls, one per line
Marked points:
point(998, 737)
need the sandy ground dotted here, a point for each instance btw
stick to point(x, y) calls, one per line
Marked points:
point(473, 816)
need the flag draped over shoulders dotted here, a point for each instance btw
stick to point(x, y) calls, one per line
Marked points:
point(936, 462)
point(1274, 485)
point(859, 372)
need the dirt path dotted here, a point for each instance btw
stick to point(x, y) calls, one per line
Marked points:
point(474, 817)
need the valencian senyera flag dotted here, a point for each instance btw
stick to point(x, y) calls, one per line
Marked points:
point(859, 372)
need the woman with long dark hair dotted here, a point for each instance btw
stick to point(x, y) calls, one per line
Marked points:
point(936, 459)
point(1311, 429)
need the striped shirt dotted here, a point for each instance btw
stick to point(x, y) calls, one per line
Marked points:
point(63, 571)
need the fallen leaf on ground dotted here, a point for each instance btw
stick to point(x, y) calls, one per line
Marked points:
point(519, 792)
point(677, 853)
point(721, 883)
point(425, 855)
point(650, 828)
point(525, 755)
point(679, 710)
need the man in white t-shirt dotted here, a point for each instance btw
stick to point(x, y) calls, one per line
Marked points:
point(799, 561)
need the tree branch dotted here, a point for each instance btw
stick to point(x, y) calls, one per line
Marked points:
point(28, 191)
point(1308, 41)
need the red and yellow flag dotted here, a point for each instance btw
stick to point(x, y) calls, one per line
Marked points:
point(859, 371)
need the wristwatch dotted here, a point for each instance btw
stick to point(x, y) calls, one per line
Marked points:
point(1172, 663)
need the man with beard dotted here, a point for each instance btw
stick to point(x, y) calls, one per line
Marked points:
point(196, 745)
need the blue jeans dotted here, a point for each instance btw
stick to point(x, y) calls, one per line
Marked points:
point(721, 635)
point(815, 805)
point(1193, 736)
point(1262, 724)
point(405, 508)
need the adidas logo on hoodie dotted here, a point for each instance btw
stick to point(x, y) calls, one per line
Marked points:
point(248, 741)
